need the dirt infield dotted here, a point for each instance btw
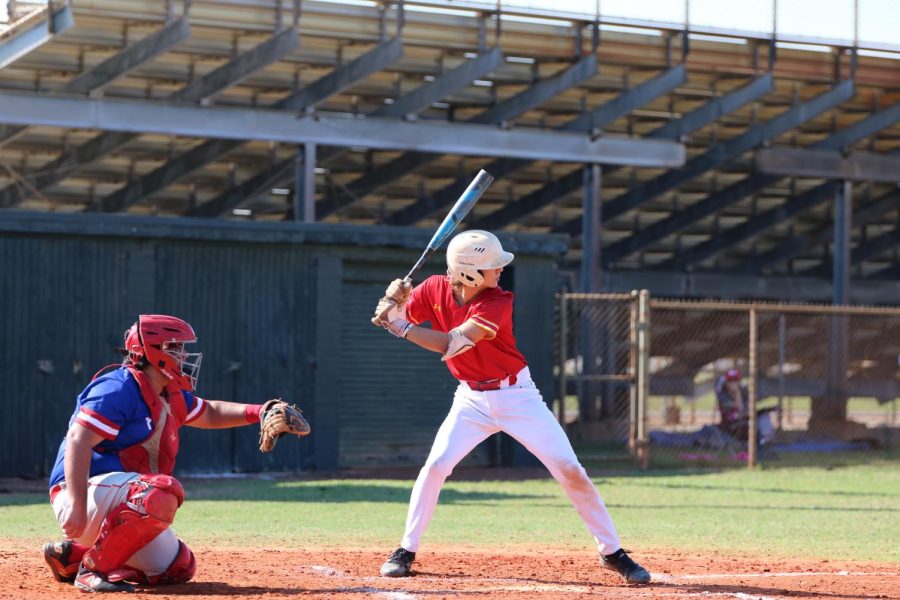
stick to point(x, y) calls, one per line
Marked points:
point(458, 572)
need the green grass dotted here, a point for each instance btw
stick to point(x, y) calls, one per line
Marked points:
point(840, 513)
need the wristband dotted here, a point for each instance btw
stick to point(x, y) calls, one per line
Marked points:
point(251, 412)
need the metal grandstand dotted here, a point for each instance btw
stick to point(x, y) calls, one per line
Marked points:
point(712, 151)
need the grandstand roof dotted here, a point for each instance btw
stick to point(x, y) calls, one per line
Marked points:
point(128, 106)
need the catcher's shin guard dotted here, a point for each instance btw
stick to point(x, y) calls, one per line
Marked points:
point(64, 558)
point(181, 570)
point(147, 511)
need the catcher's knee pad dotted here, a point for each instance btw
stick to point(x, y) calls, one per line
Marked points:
point(147, 511)
point(181, 570)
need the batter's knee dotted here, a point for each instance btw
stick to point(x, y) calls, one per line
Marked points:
point(181, 570)
point(572, 474)
point(437, 469)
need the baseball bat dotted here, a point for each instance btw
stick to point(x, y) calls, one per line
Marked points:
point(459, 211)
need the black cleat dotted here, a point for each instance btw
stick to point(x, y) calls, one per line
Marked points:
point(621, 563)
point(58, 557)
point(398, 563)
point(88, 581)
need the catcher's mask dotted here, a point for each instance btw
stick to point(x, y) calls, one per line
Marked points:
point(470, 252)
point(159, 340)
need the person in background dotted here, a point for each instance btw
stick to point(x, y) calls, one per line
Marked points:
point(733, 399)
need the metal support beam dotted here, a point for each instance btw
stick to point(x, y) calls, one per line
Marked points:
point(363, 66)
point(799, 243)
point(344, 76)
point(131, 57)
point(892, 272)
point(592, 206)
point(728, 285)
point(857, 166)
point(675, 129)
point(717, 155)
point(280, 126)
point(118, 65)
point(539, 92)
point(628, 100)
point(503, 111)
point(592, 122)
point(407, 105)
point(443, 85)
point(843, 225)
point(205, 87)
point(34, 34)
point(715, 109)
point(305, 188)
point(259, 57)
point(757, 181)
point(230, 126)
point(866, 251)
point(751, 227)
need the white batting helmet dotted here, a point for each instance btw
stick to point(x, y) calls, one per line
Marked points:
point(470, 252)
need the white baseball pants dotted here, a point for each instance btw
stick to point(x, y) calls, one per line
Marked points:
point(519, 411)
point(105, 492)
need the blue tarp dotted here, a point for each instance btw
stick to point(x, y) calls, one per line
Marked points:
point(710, 436)
point(821, 446)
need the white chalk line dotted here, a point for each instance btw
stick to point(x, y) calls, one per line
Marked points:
point(518, 585)
point(669, 578)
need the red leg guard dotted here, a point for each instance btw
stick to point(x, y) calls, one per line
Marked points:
point(181, 570)
point(148, 510)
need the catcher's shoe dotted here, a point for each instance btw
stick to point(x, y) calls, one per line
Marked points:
point(89, 581)
point(621, 563)
point(58, 556)
point(398, 563)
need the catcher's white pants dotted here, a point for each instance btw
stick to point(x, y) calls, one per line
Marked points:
point(519, 411)
point(105, 492)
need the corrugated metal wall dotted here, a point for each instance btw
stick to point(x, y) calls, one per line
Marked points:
point(394, 395)
point(280, 310)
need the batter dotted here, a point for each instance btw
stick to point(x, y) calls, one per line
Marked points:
point(472, 328)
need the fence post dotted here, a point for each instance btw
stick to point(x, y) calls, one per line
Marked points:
point(632, 372)
point(563, 343)
point(781, 361)
point(643, 376)
point(751, 426)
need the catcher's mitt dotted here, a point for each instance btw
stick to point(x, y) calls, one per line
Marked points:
point(276, 418)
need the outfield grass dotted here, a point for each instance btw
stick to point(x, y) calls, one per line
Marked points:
point(842, 513)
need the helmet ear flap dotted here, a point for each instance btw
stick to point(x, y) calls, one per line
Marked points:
point(133, 348)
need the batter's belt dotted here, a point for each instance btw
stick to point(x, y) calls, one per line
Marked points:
point(491, 384)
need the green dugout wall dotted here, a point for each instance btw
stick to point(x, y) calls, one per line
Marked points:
point(281, 309)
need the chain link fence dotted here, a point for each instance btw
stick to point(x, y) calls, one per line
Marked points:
point(596, 356)
point(672, 383)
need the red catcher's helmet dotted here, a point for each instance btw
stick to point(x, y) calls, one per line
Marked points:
point(159, 340)
point(733, 375)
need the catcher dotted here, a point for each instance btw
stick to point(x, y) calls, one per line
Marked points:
point(112, 489)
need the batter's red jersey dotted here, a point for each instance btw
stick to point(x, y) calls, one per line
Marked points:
point(494, 357)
